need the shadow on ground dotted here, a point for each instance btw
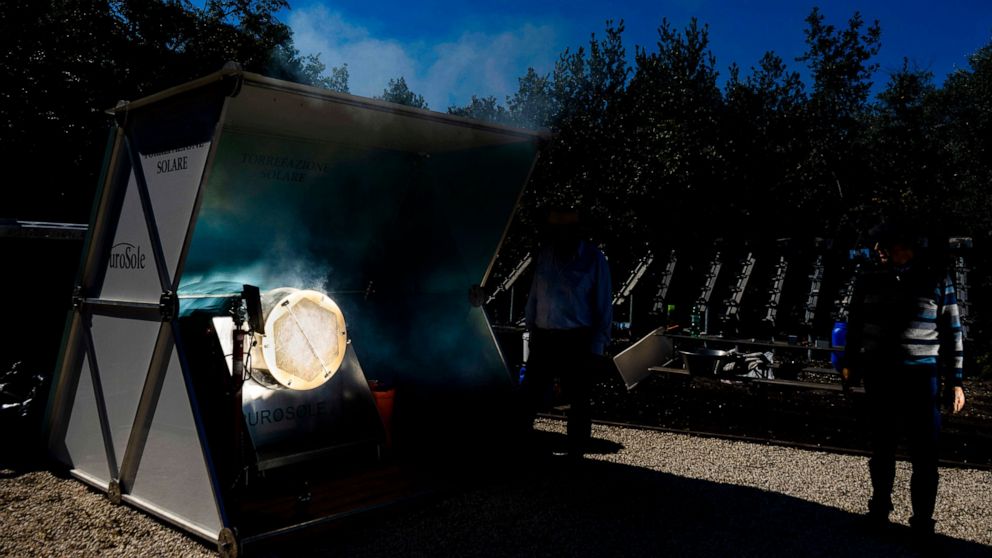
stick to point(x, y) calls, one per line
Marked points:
point(547, 507)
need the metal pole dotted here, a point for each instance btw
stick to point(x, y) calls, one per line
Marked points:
point(630, 313)
point(513, 292)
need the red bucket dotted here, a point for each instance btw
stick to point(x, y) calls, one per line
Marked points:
point(384, 400)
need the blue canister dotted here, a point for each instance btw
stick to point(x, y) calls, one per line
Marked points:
point(838, 338)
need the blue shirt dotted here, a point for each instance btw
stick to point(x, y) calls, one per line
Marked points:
point(572, 294)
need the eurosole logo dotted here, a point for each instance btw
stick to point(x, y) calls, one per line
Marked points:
point(126, 256)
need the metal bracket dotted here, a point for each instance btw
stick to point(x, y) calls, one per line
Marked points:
point(120, 112)
point(227, 543)
point(168, 305)
point(114, 492)
point(77, 297)
point(234, 81)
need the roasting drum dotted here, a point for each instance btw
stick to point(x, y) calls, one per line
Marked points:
point(304, 342)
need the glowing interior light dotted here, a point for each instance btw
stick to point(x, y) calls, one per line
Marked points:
point(305, 340)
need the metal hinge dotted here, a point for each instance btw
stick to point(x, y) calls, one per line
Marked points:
point(168, 305)
point(77, 297)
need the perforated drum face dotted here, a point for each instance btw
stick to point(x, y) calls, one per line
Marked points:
point(306, 340)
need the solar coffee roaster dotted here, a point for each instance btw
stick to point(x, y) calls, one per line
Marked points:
point(258, 253)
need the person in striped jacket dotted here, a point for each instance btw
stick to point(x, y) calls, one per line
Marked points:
point(904, 333)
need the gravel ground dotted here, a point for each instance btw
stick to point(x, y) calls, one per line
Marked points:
point(44, 515)
point(785, 414)
point(964, 506)
point(641, 492)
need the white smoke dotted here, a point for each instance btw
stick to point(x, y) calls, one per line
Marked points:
point(279, 263)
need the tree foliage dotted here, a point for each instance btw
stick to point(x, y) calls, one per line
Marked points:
point(532, 106)
point(586, 90)
point(675, 108)
point(763, 136)
point(486, 109)
point(65, 61)
point(398, 92)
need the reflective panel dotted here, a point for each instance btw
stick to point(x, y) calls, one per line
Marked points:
point(172, 472)
point(131, 271)
point(173, 178)
point(634, 362)
point(344, 119)
point(123, 353)
point(395, 238)
point(83, 438)
point(393, 213)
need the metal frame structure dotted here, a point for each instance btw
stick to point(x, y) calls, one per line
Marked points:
point(775, 291)
point(813, 296)
point(124, 414)
point(701, 308)
point(842, 304)
point(781, 269)
point(640, 268)
point(664, 282)
point(732, 306)
point(508, 284)
point(41, 229)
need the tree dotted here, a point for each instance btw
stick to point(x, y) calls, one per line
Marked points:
point(338, 80)
point(398, 92)
point(587, 88)
point(532, 106)
point(287, 63)
point(65, 61)
point(762, 137)
point(962, 111)
point(905, 158)
point(486, 109)
point(840, 63)
point(674, 105)
point(581, 165)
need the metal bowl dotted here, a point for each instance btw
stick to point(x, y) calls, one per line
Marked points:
point(704, 362)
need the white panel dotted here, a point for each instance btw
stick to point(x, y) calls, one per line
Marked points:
point(131, 271)
point(173, 178)
point(652, 350)
point(123, 352)
point(83, 438)
point(172, 474)
point(224, 330)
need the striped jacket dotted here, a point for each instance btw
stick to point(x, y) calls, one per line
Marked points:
point(908, 317)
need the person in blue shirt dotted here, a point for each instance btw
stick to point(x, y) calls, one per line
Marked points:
point(569, 315)
point(904, 330)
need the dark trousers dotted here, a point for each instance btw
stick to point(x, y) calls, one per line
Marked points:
point(566, 355)
point(904, 400)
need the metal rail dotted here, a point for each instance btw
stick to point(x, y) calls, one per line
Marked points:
point(42, 229)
